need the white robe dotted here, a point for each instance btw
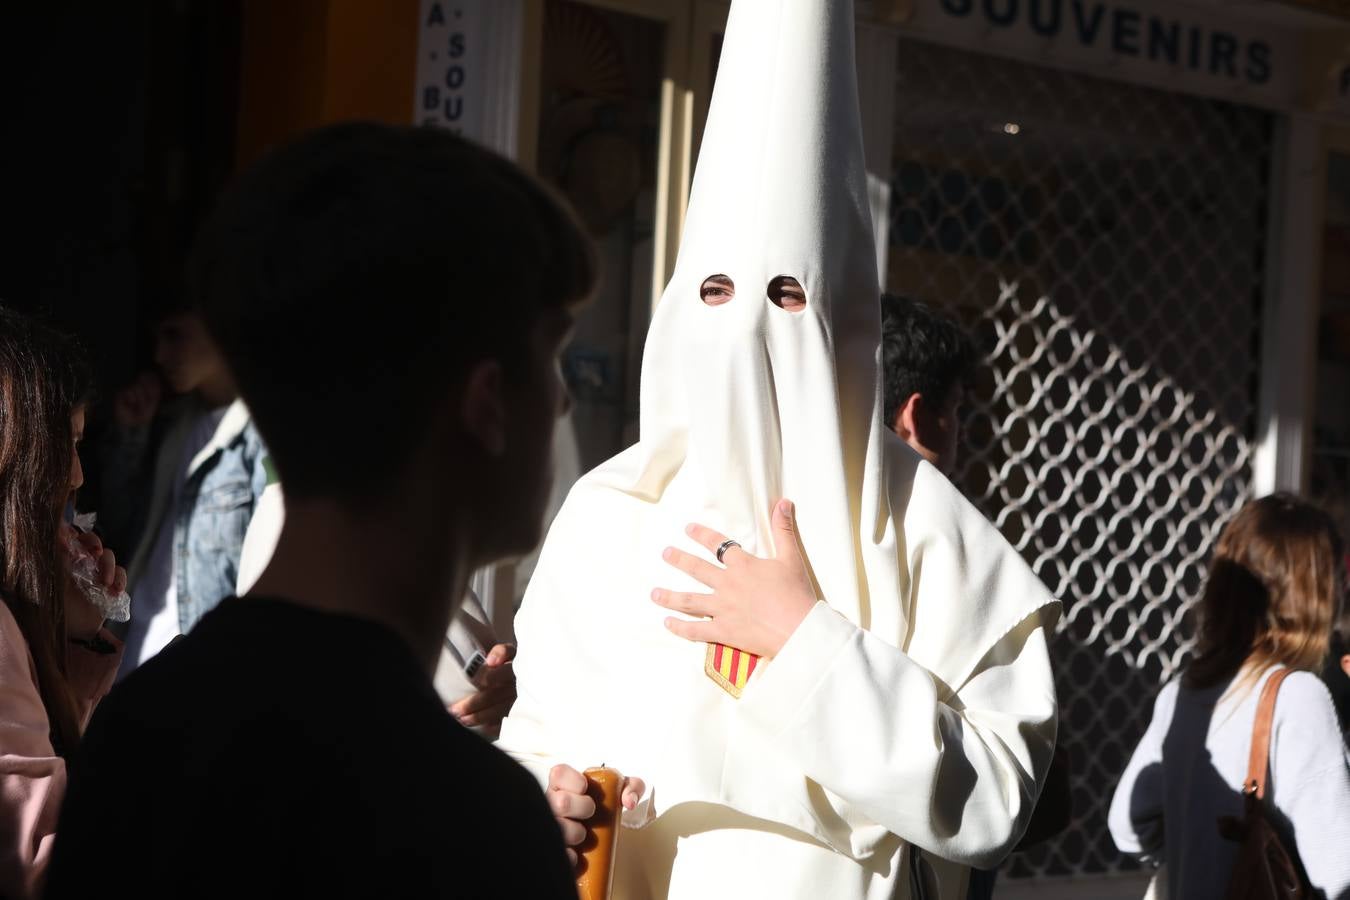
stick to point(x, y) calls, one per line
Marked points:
point(846, 746)
point(914, 704)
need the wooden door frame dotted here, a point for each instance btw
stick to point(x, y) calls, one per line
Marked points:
point(673, 155)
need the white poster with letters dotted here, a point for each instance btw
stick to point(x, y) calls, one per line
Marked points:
point(468, 69)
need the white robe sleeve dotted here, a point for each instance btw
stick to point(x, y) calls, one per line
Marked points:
point(953, 772)
point(526, 737)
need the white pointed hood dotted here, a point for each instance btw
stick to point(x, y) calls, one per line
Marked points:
point(744, 403)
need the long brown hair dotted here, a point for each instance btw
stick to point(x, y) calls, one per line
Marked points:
point(1273, 591)
point(43, 379)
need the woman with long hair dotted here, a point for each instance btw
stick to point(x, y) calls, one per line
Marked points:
point(1273, 591)
point(56, 660)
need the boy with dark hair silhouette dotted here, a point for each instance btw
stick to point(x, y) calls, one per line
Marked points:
point(392, 302)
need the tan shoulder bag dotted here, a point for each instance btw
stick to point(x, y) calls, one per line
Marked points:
point(1265, 869)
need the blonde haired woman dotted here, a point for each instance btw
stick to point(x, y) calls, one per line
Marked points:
point(1272, 593)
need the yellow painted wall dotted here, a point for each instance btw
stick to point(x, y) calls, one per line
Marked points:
point(306, 63)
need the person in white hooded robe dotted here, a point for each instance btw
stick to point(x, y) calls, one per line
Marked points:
point(862, 706)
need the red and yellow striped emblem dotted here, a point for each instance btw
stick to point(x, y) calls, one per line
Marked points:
point(729, 667)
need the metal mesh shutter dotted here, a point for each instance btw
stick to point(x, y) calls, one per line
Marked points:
point(1106, 242)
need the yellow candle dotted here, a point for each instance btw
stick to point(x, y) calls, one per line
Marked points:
point(595, 866)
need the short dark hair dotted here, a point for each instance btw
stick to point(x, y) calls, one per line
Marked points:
point(352, 277)
point(923, 352)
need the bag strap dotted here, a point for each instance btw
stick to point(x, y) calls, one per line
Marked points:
point(1259, 760)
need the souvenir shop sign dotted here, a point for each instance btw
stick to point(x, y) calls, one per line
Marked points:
point(1162, 44)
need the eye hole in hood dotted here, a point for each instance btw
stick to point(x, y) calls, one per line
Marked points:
point(716, 290)
point(786, 293)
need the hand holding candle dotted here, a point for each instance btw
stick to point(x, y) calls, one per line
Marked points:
point(595, 868)
point(573, 805)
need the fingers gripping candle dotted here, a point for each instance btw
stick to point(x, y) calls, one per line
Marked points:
point(595, 869)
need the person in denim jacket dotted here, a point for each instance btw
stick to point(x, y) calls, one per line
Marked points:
point(187, 513)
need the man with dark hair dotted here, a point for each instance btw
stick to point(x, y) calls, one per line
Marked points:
point(392, 302)
point(928, 360)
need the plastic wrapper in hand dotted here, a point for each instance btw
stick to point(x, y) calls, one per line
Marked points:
point(116, 607)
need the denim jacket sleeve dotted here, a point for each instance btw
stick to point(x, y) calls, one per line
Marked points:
point(217, 505)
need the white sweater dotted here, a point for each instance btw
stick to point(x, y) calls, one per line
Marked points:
point(1189, 768)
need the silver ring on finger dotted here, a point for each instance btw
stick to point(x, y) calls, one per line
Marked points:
point(726, 545)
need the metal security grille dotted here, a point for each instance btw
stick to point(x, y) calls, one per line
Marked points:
point(1106, 243)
